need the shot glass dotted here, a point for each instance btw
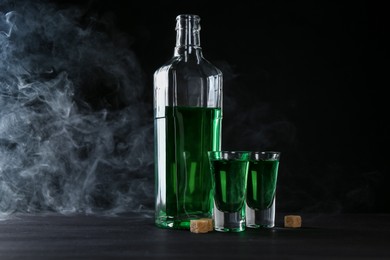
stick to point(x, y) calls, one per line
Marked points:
point(261, 189)
point(229, 170)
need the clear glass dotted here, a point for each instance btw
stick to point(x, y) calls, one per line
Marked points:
point(229, 170)
point(261, 189)
point(187, 124)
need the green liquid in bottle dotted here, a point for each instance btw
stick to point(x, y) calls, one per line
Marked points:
point(230, 184)
point(261, 185)
point(190, 133)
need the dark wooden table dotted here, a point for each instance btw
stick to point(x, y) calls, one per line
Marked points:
point(134, 236)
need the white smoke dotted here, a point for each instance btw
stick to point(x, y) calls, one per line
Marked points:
point(75, 132)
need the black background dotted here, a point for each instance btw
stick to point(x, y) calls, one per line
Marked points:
point(306, 78)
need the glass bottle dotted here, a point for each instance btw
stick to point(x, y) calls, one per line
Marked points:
point(187, 124)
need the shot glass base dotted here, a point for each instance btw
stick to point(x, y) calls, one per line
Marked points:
point(260, 218)
point(224, 229)
point(229, 222)
point(260, 226)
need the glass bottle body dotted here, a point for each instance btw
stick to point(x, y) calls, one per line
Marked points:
point(187, 124)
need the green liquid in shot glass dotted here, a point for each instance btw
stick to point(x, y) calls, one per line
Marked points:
point(261, 186)
point(230, 184)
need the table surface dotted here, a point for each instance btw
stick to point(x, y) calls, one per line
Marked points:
point(134, 236)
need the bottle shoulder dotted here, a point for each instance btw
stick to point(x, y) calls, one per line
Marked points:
point(167, 66)
point(179, 64)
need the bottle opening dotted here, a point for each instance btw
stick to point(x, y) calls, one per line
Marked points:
point(184, 21)
point(188, 16)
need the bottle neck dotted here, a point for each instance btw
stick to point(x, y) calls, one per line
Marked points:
point(188, 35)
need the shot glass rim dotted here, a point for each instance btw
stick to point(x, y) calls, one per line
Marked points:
point(230, 152)
point(277, 153)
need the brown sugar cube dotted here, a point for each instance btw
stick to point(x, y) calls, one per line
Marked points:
point(199, 225)
point(292, 221)
point(209, 223)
